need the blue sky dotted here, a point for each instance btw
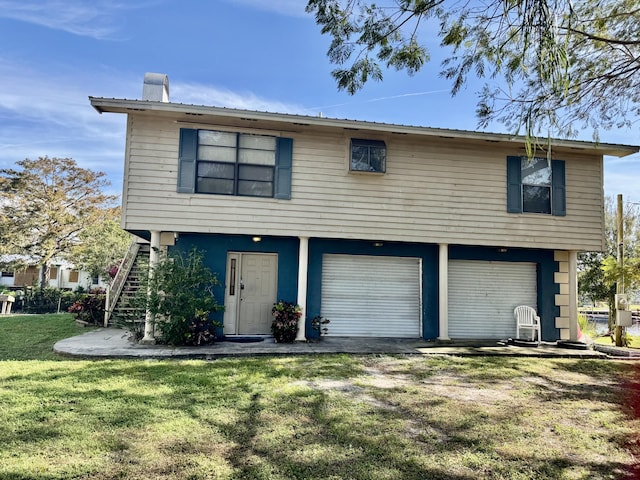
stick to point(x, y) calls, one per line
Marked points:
point(263, 55)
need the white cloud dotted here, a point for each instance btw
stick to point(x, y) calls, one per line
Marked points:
point(87, 18)
point(49, 115)
point(198, 94)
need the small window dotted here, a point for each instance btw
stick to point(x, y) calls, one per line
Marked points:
point(7, 274)
point(368, 156)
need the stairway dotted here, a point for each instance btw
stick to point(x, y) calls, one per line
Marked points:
point(125, 287)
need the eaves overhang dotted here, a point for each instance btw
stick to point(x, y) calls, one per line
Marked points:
point(115, 105)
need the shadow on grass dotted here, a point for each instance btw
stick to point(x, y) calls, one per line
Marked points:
point(259, 421)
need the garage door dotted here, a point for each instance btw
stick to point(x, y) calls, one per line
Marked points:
point(482, 296)
point(366, 296)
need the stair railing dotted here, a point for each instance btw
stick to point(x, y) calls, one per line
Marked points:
point(115, 289)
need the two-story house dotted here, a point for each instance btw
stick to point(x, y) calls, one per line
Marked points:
point(386, 230)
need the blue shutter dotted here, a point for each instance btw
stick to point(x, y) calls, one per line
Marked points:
point(558, 194)
point(514, 184)
point(284, 160)
point(187, 160)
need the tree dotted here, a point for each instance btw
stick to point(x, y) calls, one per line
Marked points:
point(102, 245)
point(598, 270)
point(563, 64)
point(46, 205)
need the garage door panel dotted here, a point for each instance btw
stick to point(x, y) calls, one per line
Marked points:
point(371, 296)
point(482, 296)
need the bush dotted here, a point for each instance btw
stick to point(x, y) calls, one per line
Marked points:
point(285, 321)
point(181, 299)
point(319, 325)
point(89, 307)
point(47, 300)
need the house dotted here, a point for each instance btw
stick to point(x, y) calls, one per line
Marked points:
point(386, 230)
point(62, 274)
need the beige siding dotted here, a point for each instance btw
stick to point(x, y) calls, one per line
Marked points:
point(435, 190)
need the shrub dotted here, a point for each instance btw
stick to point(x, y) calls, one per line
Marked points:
point(284, 325)
point(46, 300)
point(181, 299)
point(89, 307)
point(319, 324)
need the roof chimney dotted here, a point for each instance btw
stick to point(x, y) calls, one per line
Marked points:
point(156, 87)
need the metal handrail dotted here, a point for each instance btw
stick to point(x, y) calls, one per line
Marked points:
point(114, 290)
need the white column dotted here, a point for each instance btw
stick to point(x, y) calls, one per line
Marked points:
point(443, 291)
point(573, 295)
point(303, 269)
point(154, 257)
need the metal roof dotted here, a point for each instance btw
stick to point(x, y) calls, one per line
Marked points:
point(116, 105)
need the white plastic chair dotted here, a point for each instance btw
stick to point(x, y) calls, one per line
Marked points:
point(526, 319)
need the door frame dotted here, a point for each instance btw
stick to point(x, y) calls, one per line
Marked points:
point(232, 289)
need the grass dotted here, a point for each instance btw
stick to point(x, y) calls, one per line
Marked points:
point(589, 329)
point(634, 341)
point(312, 417)
point(31, 337)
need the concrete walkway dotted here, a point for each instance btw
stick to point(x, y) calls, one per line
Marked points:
point(114, 343)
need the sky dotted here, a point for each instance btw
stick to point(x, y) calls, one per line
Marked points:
point(266, 55)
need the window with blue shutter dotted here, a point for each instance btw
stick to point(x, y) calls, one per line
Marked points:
point(228, 163)
point(535, 185)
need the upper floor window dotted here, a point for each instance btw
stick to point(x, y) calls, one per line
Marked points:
point(228, 163)
point(536, 185)
point(235, 164)
point(368, 156)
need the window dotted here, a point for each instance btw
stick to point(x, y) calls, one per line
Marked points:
point(95, 280)
point(7, 274)
point(73, 276)
point(227, 163)
point(535, 185)
point(235, 164)
point(368, 156)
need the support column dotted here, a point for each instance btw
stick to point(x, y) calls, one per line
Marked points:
point(443, 292)
point(149, 318)
point(573, 295)
point(303, 270)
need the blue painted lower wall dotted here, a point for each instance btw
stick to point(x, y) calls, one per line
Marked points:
point(216, 248)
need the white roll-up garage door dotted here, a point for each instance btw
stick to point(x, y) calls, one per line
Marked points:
point(482, 296)
point(367, 296)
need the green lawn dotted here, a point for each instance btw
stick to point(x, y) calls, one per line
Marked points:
point(309, 417)
point(634, 341)
point(31, 337)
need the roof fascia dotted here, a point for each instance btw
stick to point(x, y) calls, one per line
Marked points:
point(115, 105)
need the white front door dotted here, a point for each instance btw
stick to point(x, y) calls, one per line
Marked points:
point(250, 293)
